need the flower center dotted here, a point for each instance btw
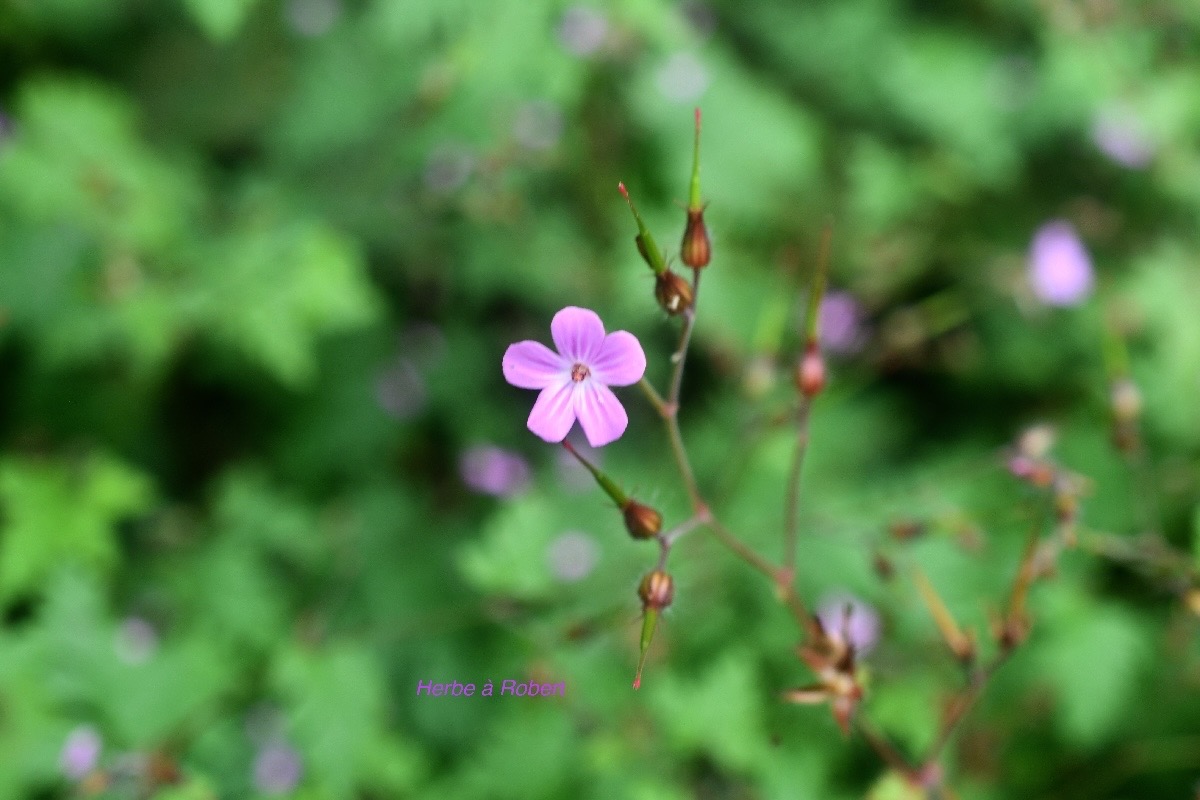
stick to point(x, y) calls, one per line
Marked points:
point(579, 372)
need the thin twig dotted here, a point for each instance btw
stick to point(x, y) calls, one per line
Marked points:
point(887, 752)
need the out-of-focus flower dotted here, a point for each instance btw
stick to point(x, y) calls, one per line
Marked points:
point(700, 17)
point(1119, 134)
point(494, 470)
point(840, 324)
point(447, 168)
point(81, 752)
point(538, 125)
point(400, 390)
point(277, 769)
point(583, 30)
point(572, 556)
point(683, 79)
point(574, 381)
point(849, 620)
point(312, 18)
point(136, 641)
point(1060, 271)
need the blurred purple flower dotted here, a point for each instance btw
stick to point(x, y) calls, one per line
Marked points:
point(136, 641)
point(1060, 270)
point(312, 18)
point(277, 769)
point(582, 30)
point(683, 78)
point(400, 390)
point(841, 323)
point(80, 752)
point(447, 168)
point(538, 125)
point(849, 620)
point(572, 556)
point(1119, 134)
point(493, 470)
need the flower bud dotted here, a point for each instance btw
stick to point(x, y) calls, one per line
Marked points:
point(657, 590)
point(673, 293)
point(642, 521)
point(810, 372)
point(644, 240)
point(696, 249)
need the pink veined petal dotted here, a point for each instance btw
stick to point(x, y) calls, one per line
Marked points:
point(620, 360)
point(578, 333)
point(554, 412)
point(532, 365)
point(600, 413)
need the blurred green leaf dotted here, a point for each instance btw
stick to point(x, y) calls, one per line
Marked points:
point(63, 513)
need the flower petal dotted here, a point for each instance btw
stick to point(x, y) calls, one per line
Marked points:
point(554, 412)
point(578, 333)
point(532, 365)
point(620, 360)
point(600, 413)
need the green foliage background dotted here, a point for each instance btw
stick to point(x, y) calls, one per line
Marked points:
point(259, 262)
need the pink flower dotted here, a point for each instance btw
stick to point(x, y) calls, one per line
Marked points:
point(574, 381)
point(1060, 270)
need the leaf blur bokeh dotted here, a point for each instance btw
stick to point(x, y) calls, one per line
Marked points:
point(260, 474)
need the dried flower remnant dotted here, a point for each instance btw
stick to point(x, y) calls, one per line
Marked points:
point(1060, 270)
point(493, 470)
point(850, 621)
point(574, 381)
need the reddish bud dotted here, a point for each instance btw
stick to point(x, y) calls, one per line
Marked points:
point(810, 372)
point(673, 293)
point(642, 521)
point(657, 590)
point(696, 249)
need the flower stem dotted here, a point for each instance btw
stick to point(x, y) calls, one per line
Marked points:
point(885, 749)
point(679, 358)
point(654, 397)
point(792, 504)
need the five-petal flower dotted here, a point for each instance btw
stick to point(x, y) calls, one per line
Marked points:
point(574, 381)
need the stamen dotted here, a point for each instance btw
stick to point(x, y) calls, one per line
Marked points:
point(579, 372)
